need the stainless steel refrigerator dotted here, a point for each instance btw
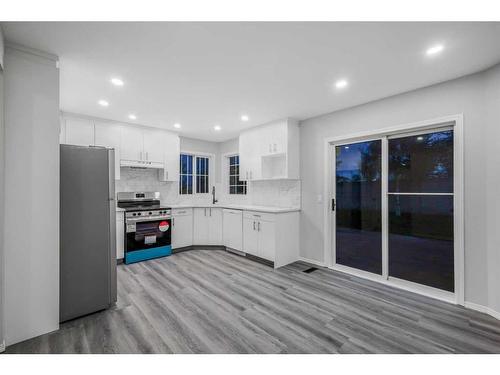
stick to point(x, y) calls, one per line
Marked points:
point(87, 230)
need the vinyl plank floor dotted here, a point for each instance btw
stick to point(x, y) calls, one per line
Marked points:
point(212, 301)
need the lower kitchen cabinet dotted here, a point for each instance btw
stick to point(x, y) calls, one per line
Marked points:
point(182, 227)
point(207, 226)
point(232, 229)
point(250, 236)
point(271, 236)
point(120, 234)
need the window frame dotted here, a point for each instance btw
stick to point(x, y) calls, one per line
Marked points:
point(211, 171)
point(454, 121)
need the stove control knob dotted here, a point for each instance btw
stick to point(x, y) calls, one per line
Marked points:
point(134, 214)
point(150, 213)
point(139, 214)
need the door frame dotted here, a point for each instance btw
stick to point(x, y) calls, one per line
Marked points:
point(456, 123)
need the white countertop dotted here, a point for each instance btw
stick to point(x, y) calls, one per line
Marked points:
point(236, 207)
point(269, 209)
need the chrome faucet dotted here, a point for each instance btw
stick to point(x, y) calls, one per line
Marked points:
point(214, 201)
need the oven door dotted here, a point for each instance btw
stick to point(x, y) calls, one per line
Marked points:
point(149, 234)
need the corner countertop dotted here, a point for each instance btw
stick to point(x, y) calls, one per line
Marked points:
point(269, 209)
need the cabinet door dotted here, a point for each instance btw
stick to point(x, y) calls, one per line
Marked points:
point(250, 237)
point(278, 137)
point(232, 233)
point(200, 226)
point(255, 156)
point(172, 153)
point(182, 231)
point(108, 135)
point(131, 143)
point(154, 145)
point(120, 235)
point(245, 148)
point(79, 132)
point(267, 242)
point(215, 226)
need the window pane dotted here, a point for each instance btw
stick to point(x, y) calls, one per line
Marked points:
point(235, 185)
point(189, 159)
point(358, 206)
point(422, 163)
point(189, 184)
point(202, 184)
point(421, 239)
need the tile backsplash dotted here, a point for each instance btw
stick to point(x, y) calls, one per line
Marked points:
point(276, 193)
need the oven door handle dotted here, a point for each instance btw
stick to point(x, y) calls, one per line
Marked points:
point(150, 218)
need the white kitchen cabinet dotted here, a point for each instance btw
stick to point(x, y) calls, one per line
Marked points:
point(151, 148)
point(232, 229)
point(267, 239)
point(215, 226)
point(182, 227)
point(272, 236)
point(154, 142)
point(172, 153)
point(207, 226)
point(132, 146)
point(270, 151)
point(120, 235)
point(78, 131)
point(200, 226)
point(250, 237)
point(250, 155)
point(108, 135)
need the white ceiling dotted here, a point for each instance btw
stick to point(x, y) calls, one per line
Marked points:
point(202, 74)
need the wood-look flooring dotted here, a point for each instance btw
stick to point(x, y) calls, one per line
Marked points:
point(212, 301)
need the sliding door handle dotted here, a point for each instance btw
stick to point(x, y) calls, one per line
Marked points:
point(333, 204)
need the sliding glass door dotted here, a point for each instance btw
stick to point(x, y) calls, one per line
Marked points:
point(358, 175)
point(421, 209)
point(393, 207)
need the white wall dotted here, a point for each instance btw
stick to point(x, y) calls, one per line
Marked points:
point(492, 133)
point(31, 233)
point(465, 95)
point(2, 149)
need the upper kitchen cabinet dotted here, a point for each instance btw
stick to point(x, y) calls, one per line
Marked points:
point(77, 131)
point(270, 151)
point(108, 135)
point(150, 148)
point(172, 150)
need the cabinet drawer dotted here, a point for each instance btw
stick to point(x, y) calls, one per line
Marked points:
point(232, 212)
point(255, 215)
point(182, 211)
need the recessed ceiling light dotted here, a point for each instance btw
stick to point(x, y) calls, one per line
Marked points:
point(217, 128)
point(244, 118)
point(177, 125)
point(420, 138)
point(117, 81)
point(434, 50)
point(103, 102)
point(346, 147)
point(340, 84)
point(132, 117)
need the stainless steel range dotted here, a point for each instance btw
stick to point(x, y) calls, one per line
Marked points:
point(148, 226)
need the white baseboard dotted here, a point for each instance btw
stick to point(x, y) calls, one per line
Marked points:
point(2, 346)
point(483, 309)
point(312, 261)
